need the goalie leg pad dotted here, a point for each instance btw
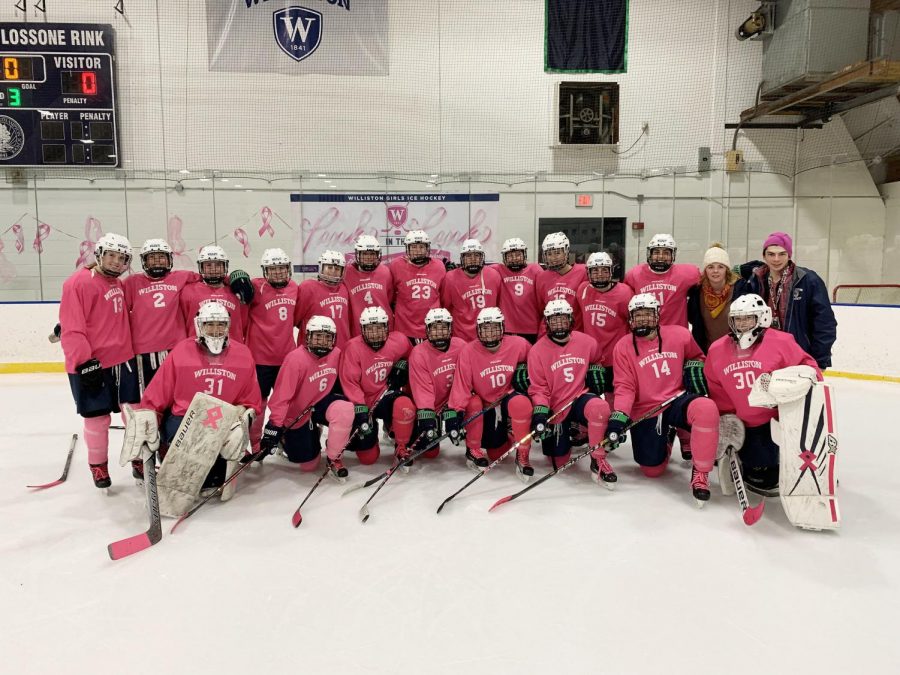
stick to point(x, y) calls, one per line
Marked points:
point(731, 435)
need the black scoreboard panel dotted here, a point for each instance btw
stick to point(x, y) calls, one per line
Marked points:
point(58, 95)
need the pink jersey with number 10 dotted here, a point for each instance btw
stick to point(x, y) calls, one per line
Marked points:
point(489, 375)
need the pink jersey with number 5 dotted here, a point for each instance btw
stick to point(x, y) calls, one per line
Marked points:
point(670, 288)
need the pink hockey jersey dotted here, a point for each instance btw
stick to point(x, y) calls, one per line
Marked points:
point(465, 296)
point(303, 381)
point(431, 373)
point(94, 320)
point(363, 372)
point(368, 289)
point(416, 290)
point(189, 369)
point(558, 372)
point(552, 285)
point(157, 322)
point(604, 316)
point(270, 329)
point(317, 298)
point(518, 299)
point(731, 371)
point(646, 379)
point(486, 374)
point(195, 295)
point(670, 288)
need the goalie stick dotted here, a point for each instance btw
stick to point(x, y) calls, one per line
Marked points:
point(655, 411)
point(751, 514)
point(65, 473)
point(135, 544)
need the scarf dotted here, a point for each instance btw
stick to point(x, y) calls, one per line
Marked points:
point(776, 295)
point(715, 301)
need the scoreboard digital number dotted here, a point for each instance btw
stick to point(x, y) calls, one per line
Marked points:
point(58, 95)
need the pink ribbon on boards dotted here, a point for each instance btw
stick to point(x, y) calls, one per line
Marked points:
point(43, 231)
point(266, 222)
point(243, 240)
point(7, 269)
point(173, 236)
point(92, 232)
point(20, 237)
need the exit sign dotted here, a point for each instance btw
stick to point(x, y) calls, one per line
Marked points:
point(584, 200)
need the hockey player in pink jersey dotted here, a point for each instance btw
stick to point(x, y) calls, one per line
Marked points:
point(518, 293)
point(653, 364)
point(432, 365)
point(368, 282)
point(325, 295)
point(373, 372)
point(309, 377)
point(212, 263)
point(734, 363)
point(96, 341)
point(417, 285)
point(469, 288)
point(560, 365)
point(604, 312)
point(486, 373)
point(270, 329)
point(561, 279)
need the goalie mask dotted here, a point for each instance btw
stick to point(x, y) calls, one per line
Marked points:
point(368, 252)
point(438, 328)
point(113, 254)
point(661, 253)
point(321, 334)
point(558, 318)
point(643, 314)
point(373, 322)
point(599, 270)
point(748, 317)
point(418, 247)
point(276, 267)
point(212, 263)
point(331, 267)
point(489, 327)
point(212, 323)
point(555, 248)
point(471, 256)
point(514, 253)
point(156, 258)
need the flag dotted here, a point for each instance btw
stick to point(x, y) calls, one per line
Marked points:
point(586, 36)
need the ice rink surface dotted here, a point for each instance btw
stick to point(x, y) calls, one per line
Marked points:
point(571, 578)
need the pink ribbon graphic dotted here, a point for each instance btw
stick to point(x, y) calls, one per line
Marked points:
point(7, 269)
point(266, 222)
point(20, 237)
point(92, 232)
point(43, 231)
point(173, 236)
point(243, 240)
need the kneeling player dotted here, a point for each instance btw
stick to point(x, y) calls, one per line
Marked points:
point(486, 373)
point(651, 365)
point(559, 366)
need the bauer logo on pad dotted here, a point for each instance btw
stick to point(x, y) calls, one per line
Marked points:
point(298, 31)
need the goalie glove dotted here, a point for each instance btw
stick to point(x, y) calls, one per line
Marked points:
point(142, 428)
point(782, 386)
point(693, 377)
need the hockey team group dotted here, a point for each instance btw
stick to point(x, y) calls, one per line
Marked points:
point(490, 356)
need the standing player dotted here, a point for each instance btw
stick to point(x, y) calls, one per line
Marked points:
point(604, 312)
point(212, 263)
point(97, 345)
point(325, 296)
point(374, 363)
point(368, 282)
point(417, 285)
point(561, 280)
point(518, 294)
point(270, 333)
point(484, 374)
point(560, 365)
point(469, 288)
point(650, 368)
point(734, 363)
point(432, 365)
point(308, 378)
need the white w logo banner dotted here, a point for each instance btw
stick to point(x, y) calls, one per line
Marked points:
point(295, 37)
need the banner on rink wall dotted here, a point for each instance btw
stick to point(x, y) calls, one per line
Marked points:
point(334, 221)
point(296, 37)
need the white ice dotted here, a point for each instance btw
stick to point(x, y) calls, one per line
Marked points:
point(569, 579)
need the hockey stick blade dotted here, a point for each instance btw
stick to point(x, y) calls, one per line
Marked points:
point(65, 473)
point(750, 514)
point(754, 513)
point(137, 543)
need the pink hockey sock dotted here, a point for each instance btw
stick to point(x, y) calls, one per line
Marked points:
point(96, 438)
point(311, 465)
point(684, 439)
point(403, 416)
point(494, 453)
point(703, 416)
point(369, 456)
point(475, 429)
point(596, 411)
point(340, 418)
point(433, 453)
point(257, 427)
point(655, 471)
point(520, 409)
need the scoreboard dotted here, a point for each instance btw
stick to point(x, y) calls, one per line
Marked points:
point(58, 95)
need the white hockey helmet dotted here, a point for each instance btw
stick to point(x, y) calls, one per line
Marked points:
point(417, 237)
point(554, 242)
point(599, 259)
point(600, 270)
point(212, 254)
point(160, 246)
point(374, 324)
point(368, 252)
point(335, 259)
point(471, 256)
point(514, 245)
point(112, 243)
point(212, 323)
point(557, 307)
point(664, 242)
point(321, 333)
point(647, 325)
point(490, 315)
point(489, 326)
point(438, 328)
point(436, 315)
point(750, 305)
point(276, 267)
point(554, 312)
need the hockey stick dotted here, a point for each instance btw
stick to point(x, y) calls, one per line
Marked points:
point(364, 510)
point(516, 445)
point(296, 519)
point(751, 514)
point(655, 411)
point(125, 547)
point(65, 473)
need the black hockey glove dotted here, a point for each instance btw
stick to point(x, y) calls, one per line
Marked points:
point(427, 421)
point(239, 282)
point(453, 426)
point(595, 380)
point(694, 380)
point(449, 265)
point(540, 426)
point(520, 378)
point(90, 373)
point(615, 429)
point(399, 375)
point(271, 436)
point(361, 420)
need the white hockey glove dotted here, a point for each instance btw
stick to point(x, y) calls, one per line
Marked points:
point(141, 428)
point(238, 435)
point(782, 386)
